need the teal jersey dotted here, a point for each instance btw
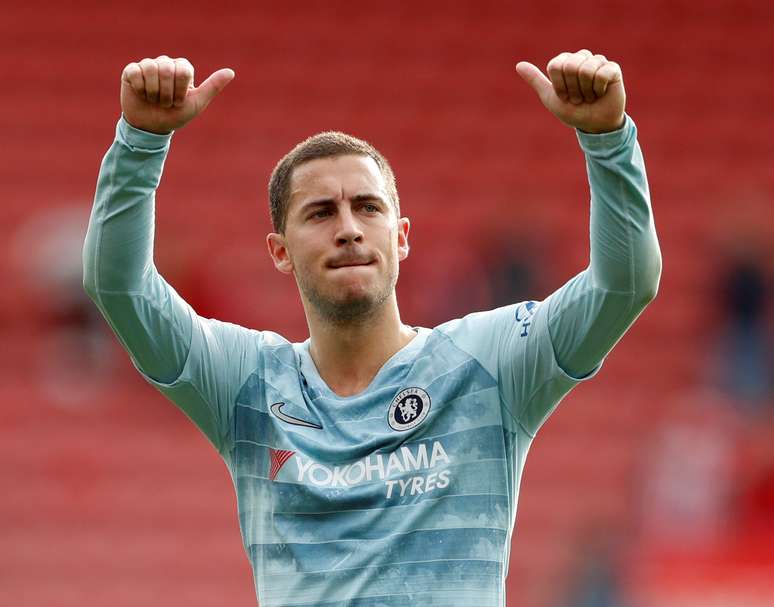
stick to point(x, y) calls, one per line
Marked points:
point(406, 493)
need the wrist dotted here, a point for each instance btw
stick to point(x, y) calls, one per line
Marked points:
point(140, 139)
point(602, 144)
point(146, 130)
point(603, 130)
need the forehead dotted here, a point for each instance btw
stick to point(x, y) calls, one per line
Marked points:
point(329, 177)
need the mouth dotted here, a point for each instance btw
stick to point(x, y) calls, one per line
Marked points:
point(351, 264)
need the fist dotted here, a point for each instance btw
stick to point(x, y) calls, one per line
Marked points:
point(158, 95)
point(583, 90)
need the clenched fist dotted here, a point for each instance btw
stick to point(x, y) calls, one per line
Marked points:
point(158, 95)
point(582, 90)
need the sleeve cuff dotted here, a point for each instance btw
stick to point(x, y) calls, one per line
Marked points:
point(141, 141)
point(593, 143)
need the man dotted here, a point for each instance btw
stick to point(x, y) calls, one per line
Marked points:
point(375, 463)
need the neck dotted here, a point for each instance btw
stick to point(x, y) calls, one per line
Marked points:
point(349, 354)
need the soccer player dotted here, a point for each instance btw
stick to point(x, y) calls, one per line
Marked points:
point(375, 463)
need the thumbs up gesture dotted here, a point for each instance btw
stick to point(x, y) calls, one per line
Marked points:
point(583, 90)
point(158, 95)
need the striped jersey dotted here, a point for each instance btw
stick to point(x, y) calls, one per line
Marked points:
point(405, 493)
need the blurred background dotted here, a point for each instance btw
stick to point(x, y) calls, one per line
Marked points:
point(652, 485)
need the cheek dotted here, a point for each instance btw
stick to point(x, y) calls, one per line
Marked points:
point(301, 263)
point(303, 251)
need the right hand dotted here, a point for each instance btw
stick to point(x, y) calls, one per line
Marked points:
point(158, 95)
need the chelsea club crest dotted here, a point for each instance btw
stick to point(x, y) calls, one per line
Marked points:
point(408, 409)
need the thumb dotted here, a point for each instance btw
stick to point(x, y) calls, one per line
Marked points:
point(209, 89)
point(536, 79)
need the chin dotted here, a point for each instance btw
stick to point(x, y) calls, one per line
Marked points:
point(358, 297)
point(349, 309)
point(347, 298)
point(346, 305)
point(353, 288)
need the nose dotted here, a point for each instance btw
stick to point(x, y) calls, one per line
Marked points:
point(347, 228)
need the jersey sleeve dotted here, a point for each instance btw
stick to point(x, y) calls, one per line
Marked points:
point(197, 363)
point(513, 343)
point(539, 350)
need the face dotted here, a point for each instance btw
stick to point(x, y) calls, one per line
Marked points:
point(343, 241)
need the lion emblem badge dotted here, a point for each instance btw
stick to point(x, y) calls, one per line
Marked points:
point(408, 409)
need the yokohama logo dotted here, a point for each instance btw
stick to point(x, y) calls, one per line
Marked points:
point(426, 462)
point(278, 459)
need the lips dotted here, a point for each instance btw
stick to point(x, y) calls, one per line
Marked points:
point(350, 264)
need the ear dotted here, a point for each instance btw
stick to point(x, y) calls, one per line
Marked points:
point(278, 250)
point(403, 230)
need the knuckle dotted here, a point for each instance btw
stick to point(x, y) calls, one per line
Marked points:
point(571, 65)
point(559, 59)
point(609, 70)
point(183, 69)
point(132, 70)
point(555, 66)
point(554, 70)
point(588, 67)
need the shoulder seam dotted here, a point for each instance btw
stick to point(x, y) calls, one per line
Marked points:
point(503, 406)
point(456, 345)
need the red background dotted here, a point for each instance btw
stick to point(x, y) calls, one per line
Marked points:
point(112, 497)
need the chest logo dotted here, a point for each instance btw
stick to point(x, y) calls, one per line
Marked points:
point(408, 409)
point(278, 459)
point(276, 408)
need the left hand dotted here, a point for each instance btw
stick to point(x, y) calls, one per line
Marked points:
point(585, 91)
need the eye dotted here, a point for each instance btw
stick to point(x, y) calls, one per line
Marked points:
point(319, 214)
point(370, 207)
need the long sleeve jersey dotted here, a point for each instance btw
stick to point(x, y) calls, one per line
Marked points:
point(405, 493)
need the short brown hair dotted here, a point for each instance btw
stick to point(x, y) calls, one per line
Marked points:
point(322, 145)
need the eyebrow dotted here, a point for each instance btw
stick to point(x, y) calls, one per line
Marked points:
point(328, 201)
point(364, 197)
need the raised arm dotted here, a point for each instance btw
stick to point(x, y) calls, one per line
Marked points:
point(537, 351)
point(149, 318)
point(154, 324)
point(589, 314)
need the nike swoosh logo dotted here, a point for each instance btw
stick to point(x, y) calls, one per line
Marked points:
point(276, 408)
